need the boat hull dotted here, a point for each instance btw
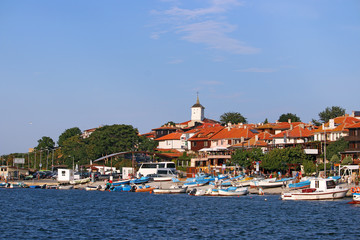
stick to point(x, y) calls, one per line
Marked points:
point(169, 190)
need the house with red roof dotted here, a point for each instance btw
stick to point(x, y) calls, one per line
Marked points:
point(229, 136)
point(334, 129)
point(202, 138)
point(297, 135)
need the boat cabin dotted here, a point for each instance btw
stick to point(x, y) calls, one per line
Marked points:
point(322, 184)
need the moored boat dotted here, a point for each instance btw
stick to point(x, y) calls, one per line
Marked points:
point(233, 191)
point(174, 189)
point(320, 189)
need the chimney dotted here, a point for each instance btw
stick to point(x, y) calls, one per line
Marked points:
point(256, 138)
point(331, 123)
point(289, 120)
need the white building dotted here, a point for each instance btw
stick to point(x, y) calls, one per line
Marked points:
point(65, 175)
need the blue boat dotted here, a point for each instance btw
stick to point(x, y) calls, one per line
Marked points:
point(118, 183)
point(139, 180)
point(304, 184)
point(121, 188)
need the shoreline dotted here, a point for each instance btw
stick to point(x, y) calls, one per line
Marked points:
point(254, 191)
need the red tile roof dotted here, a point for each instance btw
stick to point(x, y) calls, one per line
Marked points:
point(297, 132)
point(233, 133)
point(171, 136)
point(356, 125)
point(206, 133)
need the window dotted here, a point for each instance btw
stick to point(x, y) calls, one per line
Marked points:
point(330, 184)
point(205, 144)
point(316, 184)
point(63, 173)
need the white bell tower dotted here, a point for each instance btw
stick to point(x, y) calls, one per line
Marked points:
point(197, 111)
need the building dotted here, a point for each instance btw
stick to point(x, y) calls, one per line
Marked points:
point(354, 143)
point(334, 129)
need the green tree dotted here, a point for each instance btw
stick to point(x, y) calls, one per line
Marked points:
point(232, 117)
point(74, 149)
point(315, 122)
point(286, 116)
point(330, 113)
point(273, 160)
point(45, 143)
point(147, 144)
point(266, 121)
point(75, 131)
point(241, 157)
point(334, 148)
point(334, 159)
point(347, 161)
point(171, 123)
point(309, 166)
point(112, 139)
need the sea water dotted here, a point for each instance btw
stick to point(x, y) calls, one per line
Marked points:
point(79, 214)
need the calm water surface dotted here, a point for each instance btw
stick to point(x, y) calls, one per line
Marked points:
point(78, 214)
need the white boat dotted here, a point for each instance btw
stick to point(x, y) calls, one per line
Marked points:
point(233, 191)
point(80, 181)
point(65, 187)
point(320, 189)
point(271, 183)
point(92, 188)
point(174, 189)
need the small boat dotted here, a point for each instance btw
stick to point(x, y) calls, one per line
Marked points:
point(146, 188)
point(320, 189)
point(121, 188)
point(66, 187)
point(80, 181)
point(233, 191)
point(271, 182)
point(197, 183)
point(356, 195)
point(299, 185)
point(174, 189)
point(139, 180)
point(121, 182)
point(92, 188)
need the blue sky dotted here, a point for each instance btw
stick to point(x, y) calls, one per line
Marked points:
point(88, 63)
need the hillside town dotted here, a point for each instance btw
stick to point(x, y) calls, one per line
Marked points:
point(206, 145)
point(213, 144)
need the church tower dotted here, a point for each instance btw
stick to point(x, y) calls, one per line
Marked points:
point(197, 111)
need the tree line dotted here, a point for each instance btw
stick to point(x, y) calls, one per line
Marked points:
point(324, 116)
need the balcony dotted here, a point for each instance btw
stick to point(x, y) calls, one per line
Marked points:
point(352, 150)
point(352, 138)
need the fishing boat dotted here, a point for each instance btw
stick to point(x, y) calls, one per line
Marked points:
point(233, 191)
point(320, 189)
point(174, 189)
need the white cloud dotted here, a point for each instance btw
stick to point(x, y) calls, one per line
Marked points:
point(213, 34)
point(202, 25)
point(257, 70)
